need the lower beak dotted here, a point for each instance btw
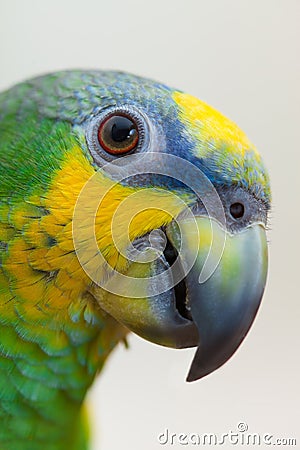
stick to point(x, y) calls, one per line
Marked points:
point(224, 286)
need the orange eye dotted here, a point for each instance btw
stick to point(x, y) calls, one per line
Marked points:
point(118, 134)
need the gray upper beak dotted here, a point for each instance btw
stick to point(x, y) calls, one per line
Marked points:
point(224, 305)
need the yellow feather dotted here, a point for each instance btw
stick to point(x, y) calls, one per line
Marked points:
point(210, 126)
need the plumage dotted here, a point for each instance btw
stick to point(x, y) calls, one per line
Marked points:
point(55, 332)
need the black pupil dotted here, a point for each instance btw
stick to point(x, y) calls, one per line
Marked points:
point(237, 210)
point(122, 129)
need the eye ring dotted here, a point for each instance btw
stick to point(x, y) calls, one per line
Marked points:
point(118, 134)
point(237, 210)
point(102, 153)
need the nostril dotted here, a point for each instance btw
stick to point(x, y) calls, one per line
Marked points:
point(237, 210)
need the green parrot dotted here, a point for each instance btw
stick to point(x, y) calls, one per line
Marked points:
point(125, 205)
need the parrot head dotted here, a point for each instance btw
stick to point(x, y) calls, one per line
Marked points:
point(148, 203)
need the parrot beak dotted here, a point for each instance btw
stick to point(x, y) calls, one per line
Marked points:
point(224, 286)
point(203, 290)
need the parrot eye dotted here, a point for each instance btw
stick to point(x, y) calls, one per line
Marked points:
point(117, 131)
point(237, 210)
point(118, 134)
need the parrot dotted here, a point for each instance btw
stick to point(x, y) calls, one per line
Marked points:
point(125, 206)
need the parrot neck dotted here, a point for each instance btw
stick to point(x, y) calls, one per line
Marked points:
point(54, 336)
point(45, 372)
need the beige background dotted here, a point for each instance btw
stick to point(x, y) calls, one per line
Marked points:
point(243, 58)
